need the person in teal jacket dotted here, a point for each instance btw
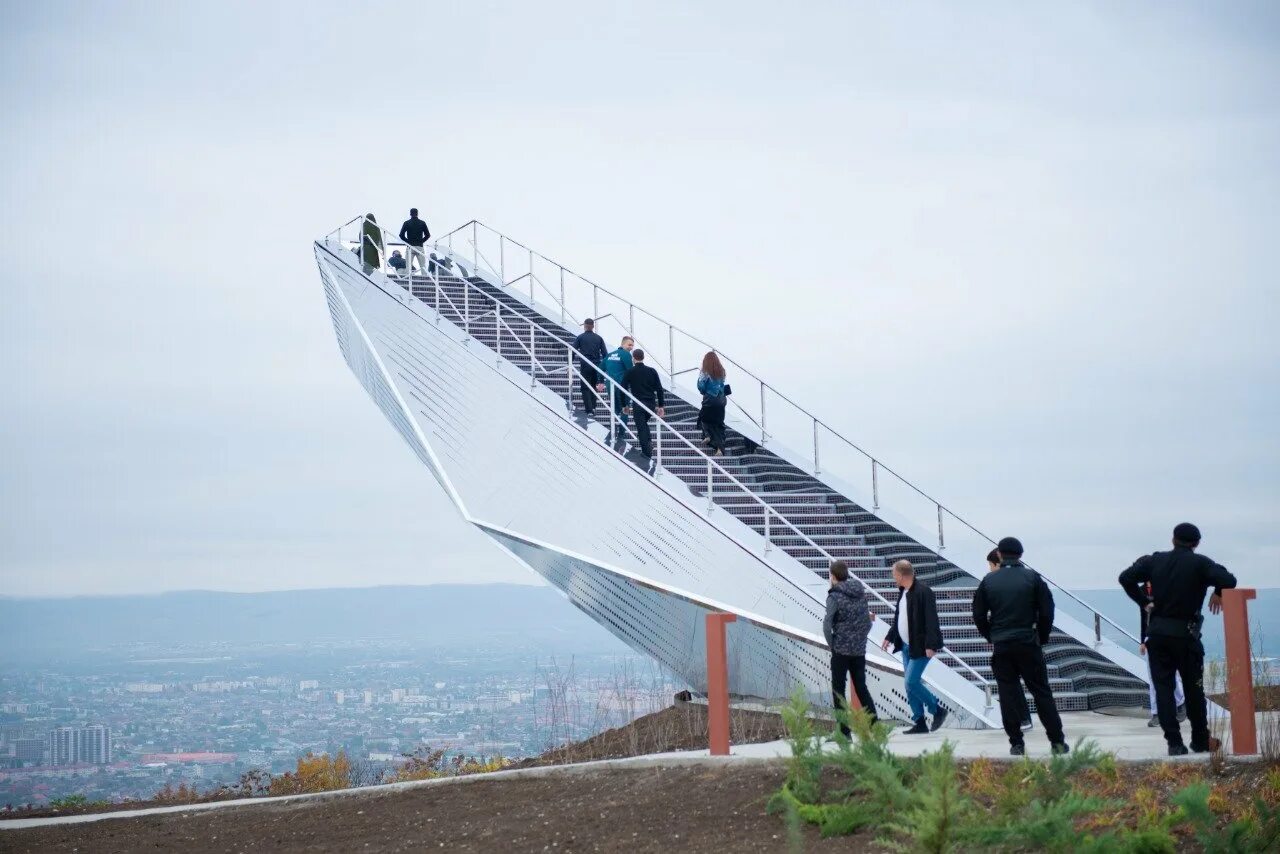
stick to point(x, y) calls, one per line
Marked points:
point(616, 365)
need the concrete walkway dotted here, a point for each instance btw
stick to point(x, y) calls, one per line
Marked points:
point(1129, 738)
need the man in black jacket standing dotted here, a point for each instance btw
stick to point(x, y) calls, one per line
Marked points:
point(1013, 609)
point(415, 234)
point(646, 386)
point(592, 350)
point(916, 633)
point(1179, 580)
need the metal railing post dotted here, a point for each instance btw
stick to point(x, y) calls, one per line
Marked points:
point(817, 467)
point(986, 689)
point(631, 319)
point(710, 501)
point(475, 249)
point(875, 485)
point(533, 357)
point(497, 328)
point(569, 376)
point(613, 414)
point(764, 433)
point(532, 297)
point(502, 259)
point(942, 543)
point(466, 309)
point(657, 466)
point(1097, 629)
point(595, 301)
point(562, 309)
point(767, 543)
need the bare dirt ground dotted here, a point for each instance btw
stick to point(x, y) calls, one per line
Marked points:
point(643, 809)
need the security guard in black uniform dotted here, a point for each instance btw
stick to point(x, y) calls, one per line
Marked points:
point(1013, 609)
point(1179, 580)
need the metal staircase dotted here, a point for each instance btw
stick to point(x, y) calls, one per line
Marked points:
point(799, 510)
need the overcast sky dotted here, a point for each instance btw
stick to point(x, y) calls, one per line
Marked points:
point(1025, 253)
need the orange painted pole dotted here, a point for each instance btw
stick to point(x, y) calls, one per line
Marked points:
point(1235, 618)
point(854, 702)
point(718, 683)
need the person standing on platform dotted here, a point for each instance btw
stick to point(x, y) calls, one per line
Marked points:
point(1178, 697)
point(591, 350)
point(1013, 610)
point(616, 365)
point(371, 244)
point(415, 234)
point(993, 563)
point(646, 386)
point(846, 626)
point(1179, 581)
point(714, 400)
point(917, 634)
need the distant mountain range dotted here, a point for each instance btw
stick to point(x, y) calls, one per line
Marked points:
point(445, 614)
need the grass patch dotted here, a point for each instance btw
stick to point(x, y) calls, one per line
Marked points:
point(1083, 801)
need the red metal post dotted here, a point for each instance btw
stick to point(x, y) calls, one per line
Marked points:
point(718, 683)
point(1235, 618)
point(854, 702)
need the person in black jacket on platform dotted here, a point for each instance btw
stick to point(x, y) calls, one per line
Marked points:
point(1013, 609)
point(1179, 580)
point(646, 386)
point(993, 563)
point(916, 633)
point(593, 351)
point(415, 234)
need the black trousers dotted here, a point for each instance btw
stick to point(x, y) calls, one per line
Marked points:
point(843, 668)
point(1013, 665)
point(1183, 657)
point(713, 423)
point(642, 427)
point(590, 377)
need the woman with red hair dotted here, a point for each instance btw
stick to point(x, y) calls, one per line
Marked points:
point(714, 398)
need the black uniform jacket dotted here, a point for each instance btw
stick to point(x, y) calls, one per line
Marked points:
point(1013, 605)
point(1179, 581)
point(922, 619)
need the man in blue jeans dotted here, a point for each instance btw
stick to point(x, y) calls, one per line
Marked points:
point(916, 633)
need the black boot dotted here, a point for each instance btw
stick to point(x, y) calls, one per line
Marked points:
point(938, 719)
point(920, 728)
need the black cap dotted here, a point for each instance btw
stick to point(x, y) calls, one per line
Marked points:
point(1010, 547)
point(1187, 533)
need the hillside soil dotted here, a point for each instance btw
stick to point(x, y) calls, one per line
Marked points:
point(1266, 698)
point(714, 808)
point(679, 727)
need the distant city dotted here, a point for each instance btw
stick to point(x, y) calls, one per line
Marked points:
point(112, 698)
point(204, 715)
